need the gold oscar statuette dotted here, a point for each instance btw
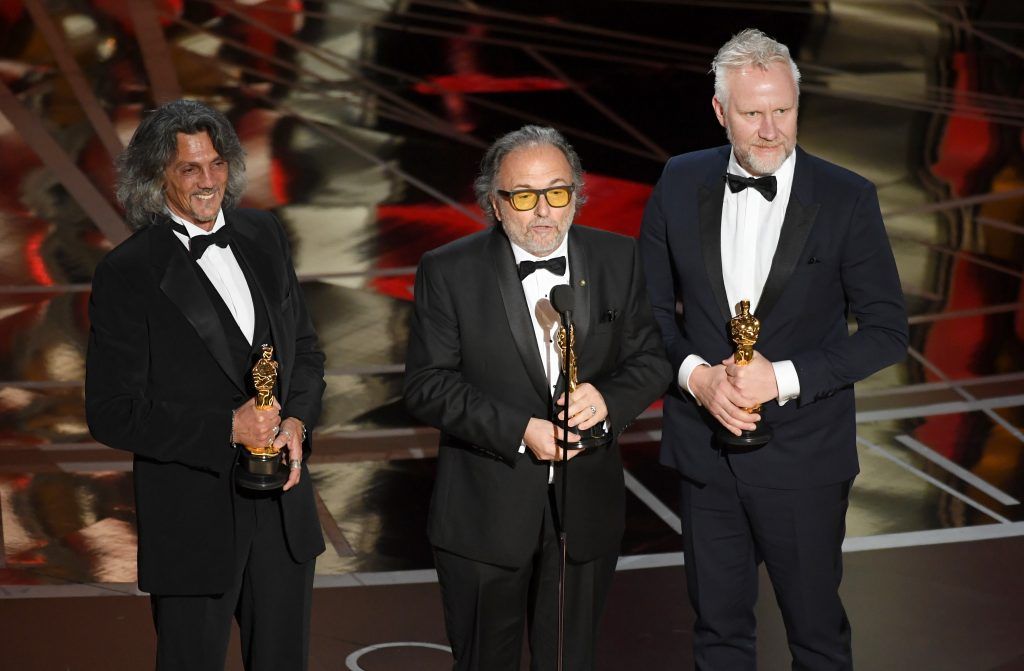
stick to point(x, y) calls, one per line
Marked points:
point(595, 436)
point(260, 467)
point(567, 351)
point(744, 330)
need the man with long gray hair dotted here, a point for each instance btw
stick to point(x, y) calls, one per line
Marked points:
point(179, 313)
point(765, 440)
point(483, 366)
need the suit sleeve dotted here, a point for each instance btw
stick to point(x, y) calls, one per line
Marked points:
point(657, 267)
point(119, 412)
point(642, 373)
point(306, 387)
point(435, 389)
point(875, 300)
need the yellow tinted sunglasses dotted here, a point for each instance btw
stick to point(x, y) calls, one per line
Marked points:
point(527, 199)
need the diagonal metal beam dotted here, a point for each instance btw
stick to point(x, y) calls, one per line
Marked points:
point(597, 104)
point(76, 79)
point(53, 156)
point(156, 54)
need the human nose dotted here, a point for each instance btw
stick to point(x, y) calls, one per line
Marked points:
point(205, 180)
point(542, 208)
point(767, 130)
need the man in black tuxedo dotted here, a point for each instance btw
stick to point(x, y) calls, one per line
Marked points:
point(176, 327)
point(482, 367)
point(803, 241)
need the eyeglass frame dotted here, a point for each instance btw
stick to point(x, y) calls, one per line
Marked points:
point(508, 195)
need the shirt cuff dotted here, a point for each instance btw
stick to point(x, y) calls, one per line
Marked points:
point(686, 369)
point(787, 380)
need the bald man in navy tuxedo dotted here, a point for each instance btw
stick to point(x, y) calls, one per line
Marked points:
point(803, 241)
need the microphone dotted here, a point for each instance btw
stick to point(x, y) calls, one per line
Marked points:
point(562, 299)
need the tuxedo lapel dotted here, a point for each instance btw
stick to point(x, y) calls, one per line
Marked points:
point(182, 286)
point(709, 202)
point(251, 250)
point(796, 226)
point(580, 281)
point(516, 310)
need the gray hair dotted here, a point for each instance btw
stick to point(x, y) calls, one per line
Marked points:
point(748, 48)
point(154, 146)
point(527, 136)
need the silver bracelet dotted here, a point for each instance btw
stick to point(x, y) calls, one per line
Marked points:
point(232, 438)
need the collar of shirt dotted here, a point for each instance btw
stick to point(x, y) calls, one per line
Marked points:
point(194, 230)
point(751, 227)
point(783, 176)
point(221, 267)
point(521, 254)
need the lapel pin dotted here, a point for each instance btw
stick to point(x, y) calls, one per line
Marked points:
point(583, 283)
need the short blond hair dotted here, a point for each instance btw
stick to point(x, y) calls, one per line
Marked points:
point(748, 48)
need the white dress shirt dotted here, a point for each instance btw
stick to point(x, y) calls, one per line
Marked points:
point(751, 225)
point(536, 288)
point(223, 271)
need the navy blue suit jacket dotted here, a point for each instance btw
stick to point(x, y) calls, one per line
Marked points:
point(833, 259)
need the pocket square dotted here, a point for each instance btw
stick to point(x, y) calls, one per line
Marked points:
point(609, 316)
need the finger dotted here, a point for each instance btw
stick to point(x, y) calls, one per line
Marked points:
point(560, 400)
point(284, 439)
point(587, 417)
point(293, 479)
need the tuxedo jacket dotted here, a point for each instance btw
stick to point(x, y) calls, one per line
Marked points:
point(833, 260)
point(474, 371)
point(161, 383)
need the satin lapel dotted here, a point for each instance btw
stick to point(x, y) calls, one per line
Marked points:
point(580, 281)
point(516, 310)
point(709, 202)
point(251, 249)
point(183, 288)
point(796, 227)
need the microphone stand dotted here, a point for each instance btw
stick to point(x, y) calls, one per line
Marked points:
point(563, 542)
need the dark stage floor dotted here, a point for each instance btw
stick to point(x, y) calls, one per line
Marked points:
point(952, 607)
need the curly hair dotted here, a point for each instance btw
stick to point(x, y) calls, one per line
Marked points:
point(154, 146)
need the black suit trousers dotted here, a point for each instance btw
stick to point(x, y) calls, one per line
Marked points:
point(729, 528)
point(270, 599)
point(487, 607)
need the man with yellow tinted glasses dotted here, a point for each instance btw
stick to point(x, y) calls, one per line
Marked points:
point(483, 367)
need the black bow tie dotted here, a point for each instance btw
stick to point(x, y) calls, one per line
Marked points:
point(197, 245)
point(555, 264)
point(766, 185)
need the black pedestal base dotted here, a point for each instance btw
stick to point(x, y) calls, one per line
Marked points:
point(260, 473)
point(595, 436)
point(747, 440)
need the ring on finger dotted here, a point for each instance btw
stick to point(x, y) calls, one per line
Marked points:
point(295, 464)
point(593, 410)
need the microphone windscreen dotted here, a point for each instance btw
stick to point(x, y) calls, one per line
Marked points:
point(562, 298)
